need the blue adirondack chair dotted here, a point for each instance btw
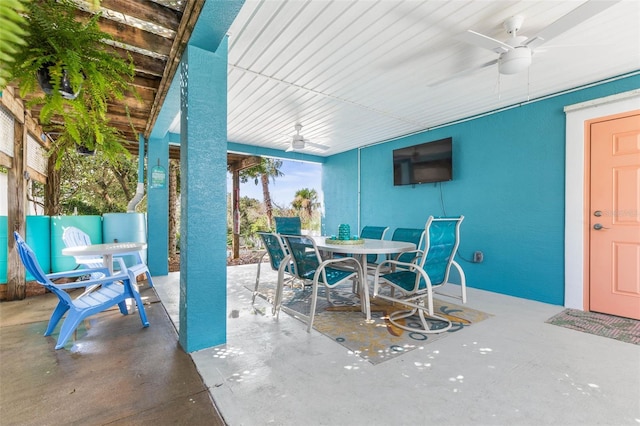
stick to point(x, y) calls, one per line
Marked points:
point(413, 282)
point(110, 293)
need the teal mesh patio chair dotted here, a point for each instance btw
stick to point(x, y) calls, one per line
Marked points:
point(310, 267)
point(113, 290)
point(373, 233)
point(288, 225)
point(414, 281)
point(279, 260)
point(408, 235)
point(73, 237)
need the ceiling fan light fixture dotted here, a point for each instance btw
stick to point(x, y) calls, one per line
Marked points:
point(297, 142)
point(515, 60)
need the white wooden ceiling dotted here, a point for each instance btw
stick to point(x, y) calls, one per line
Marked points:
point(355, 73)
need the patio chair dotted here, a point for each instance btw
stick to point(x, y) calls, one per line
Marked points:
point(113, 290)
point(416, 280)
point(309, 266)
point(409, 235)
point(373, 233)
point(73, 237)
point(288, 225)
point(279, 259)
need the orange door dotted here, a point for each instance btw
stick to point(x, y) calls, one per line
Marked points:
point(614, 233)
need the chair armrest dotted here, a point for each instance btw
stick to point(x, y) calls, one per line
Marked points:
point(331, 261)
point(105, 280)
point(76, 273)
point(418, 254)
point(392, 264)
point(123, 266)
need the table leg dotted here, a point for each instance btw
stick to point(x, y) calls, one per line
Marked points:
point(107, 261)
point(365, 304)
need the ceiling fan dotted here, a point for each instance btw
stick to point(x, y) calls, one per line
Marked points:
point(298, 142)
point(516, 52)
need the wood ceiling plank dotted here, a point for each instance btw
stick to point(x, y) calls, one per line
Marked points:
point(130, 35)
point(144, 64)
point(146, 10)
point(148, 81)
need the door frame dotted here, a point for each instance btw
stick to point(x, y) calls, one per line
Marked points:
point(576, 239)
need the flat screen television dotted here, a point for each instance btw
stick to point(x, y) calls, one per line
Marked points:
point(423, 163)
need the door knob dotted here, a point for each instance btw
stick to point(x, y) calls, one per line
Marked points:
point(598, 227)
point(597, 213)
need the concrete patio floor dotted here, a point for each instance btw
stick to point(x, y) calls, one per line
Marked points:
point(511, 369)
point(115, 371)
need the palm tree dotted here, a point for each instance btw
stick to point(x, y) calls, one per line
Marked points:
point(268, 168)
point(306, 200)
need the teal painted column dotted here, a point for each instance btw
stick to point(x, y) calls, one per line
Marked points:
point(203, 226)
point(158, 207)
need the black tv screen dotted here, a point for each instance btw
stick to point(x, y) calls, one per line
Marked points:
point(423, 163)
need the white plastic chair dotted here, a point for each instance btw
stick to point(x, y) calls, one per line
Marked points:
point(73, 237)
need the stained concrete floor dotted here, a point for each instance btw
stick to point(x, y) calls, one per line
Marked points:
point(115, 371)
point(510, 369)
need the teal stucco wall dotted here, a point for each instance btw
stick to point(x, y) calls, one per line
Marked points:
point(508, 182)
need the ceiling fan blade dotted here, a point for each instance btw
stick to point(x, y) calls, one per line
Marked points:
point(317, 145)
point(484, 41)
point(462, 73)
point(570, 20)
point(289, 148)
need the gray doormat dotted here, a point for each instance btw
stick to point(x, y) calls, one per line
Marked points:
point(611, 326)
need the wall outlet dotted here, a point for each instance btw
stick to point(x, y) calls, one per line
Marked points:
point(478, 257)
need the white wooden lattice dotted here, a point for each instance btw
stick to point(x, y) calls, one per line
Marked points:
point(6, 132)
point(36, 156)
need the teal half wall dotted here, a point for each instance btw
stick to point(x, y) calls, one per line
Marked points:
point(508, 182)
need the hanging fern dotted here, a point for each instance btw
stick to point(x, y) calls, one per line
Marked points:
point(57, 40)
point(12, 35)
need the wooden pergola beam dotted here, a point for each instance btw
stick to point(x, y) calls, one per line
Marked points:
point(187, 23)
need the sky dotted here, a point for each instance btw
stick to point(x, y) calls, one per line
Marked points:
point(297, 175)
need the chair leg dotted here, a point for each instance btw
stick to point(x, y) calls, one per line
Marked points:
point(314, 302)
point(68, 327)
point(123, 308)
point(255, 289)
point(149, 280)
point(141, 311)
point(55, 317)
point(395, 317)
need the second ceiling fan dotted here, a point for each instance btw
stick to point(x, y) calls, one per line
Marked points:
point(298, 142)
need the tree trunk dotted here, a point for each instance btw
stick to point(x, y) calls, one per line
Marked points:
point(267, 198)
point(122, 180)
point(16, 218)
point(52, 188)
point(235, 212)
point(173, 197)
